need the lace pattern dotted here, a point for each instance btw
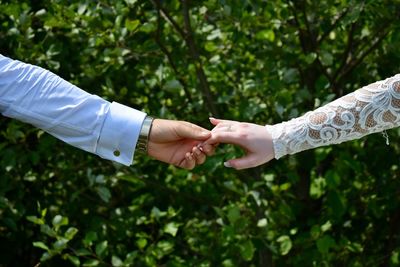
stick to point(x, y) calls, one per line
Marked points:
point(373, 108)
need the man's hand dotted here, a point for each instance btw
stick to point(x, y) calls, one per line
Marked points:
point(176, 142)
point(253, 138)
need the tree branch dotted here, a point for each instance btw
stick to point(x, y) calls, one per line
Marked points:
point(170, 59)
point(187, 35)
point(312, 38)
point(346, 54)
point(301, 32)
point(354, 63)
point(168, 17)
point(339, 17)
point(204, 86)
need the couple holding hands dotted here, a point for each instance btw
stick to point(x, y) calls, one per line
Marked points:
point(114, 131)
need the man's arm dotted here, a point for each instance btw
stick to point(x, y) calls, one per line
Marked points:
point(111, 130)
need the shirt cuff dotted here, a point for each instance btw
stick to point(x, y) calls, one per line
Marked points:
point(120, 133)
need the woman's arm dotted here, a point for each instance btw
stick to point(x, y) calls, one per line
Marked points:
point(373, 108)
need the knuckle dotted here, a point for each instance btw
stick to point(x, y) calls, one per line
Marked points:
point(190, 167)
point(243, 135)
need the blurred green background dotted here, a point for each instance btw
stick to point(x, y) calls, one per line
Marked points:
point(256, 61)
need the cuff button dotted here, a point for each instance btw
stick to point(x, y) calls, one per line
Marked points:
point(117, 153)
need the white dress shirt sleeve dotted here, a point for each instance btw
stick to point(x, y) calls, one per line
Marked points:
point(39, 97)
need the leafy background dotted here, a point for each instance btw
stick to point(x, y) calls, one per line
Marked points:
point(258, 61)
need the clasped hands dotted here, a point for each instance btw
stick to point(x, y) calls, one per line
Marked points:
point(186, 145)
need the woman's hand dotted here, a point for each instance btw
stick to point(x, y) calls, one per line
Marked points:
point(254, 139)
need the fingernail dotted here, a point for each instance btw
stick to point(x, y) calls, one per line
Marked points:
point(227, 164)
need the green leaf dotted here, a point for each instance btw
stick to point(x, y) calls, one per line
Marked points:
point(89, 238)
point(132, 25)
point(116, 261)
point(141, 243)
point(59, 220)
point(41, 245)
point(45, 256)
point(233, 214)
point(35, 220)
point(326, 226)
point(317, 187)
point(104, 193)
point(83, 252)
point(325, 243)
point(148, 27)
point(262, 222)
point(131, 2)
point(285, 244)
point(101, 248)
point(90, 263)
point(44, 228)
point(326, 58)
point(171, 228)
point(290, 75)
point(130, 258)
point(43, 213)
point(157, 213)
point(394, 259)
point(247, 250)
point(70, 233)
point(74, 260)
point(267, 34)
point(60, 244)
point(315, 231)
point(310, 58)
point(332, 179)
point(337, 204)
point(165, 247)
point(355, 247)
point(353, 14)
point(173, 86)
point(210, 46)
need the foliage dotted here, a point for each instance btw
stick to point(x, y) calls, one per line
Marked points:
point(247, 60)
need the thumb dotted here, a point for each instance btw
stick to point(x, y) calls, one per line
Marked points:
point(191, 131)
point(245, 162)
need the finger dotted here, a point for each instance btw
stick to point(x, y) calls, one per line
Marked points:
point(215, 121)
point(224, 137)
point(199, 156)
point(191, 131)
point(209, 150)
point(248, 161)
point(224, 127)
point(188, 162)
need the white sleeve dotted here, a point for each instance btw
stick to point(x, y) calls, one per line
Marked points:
point(39, 97)
point(373, 108)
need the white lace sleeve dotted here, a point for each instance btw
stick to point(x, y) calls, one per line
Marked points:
point(371, 109)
